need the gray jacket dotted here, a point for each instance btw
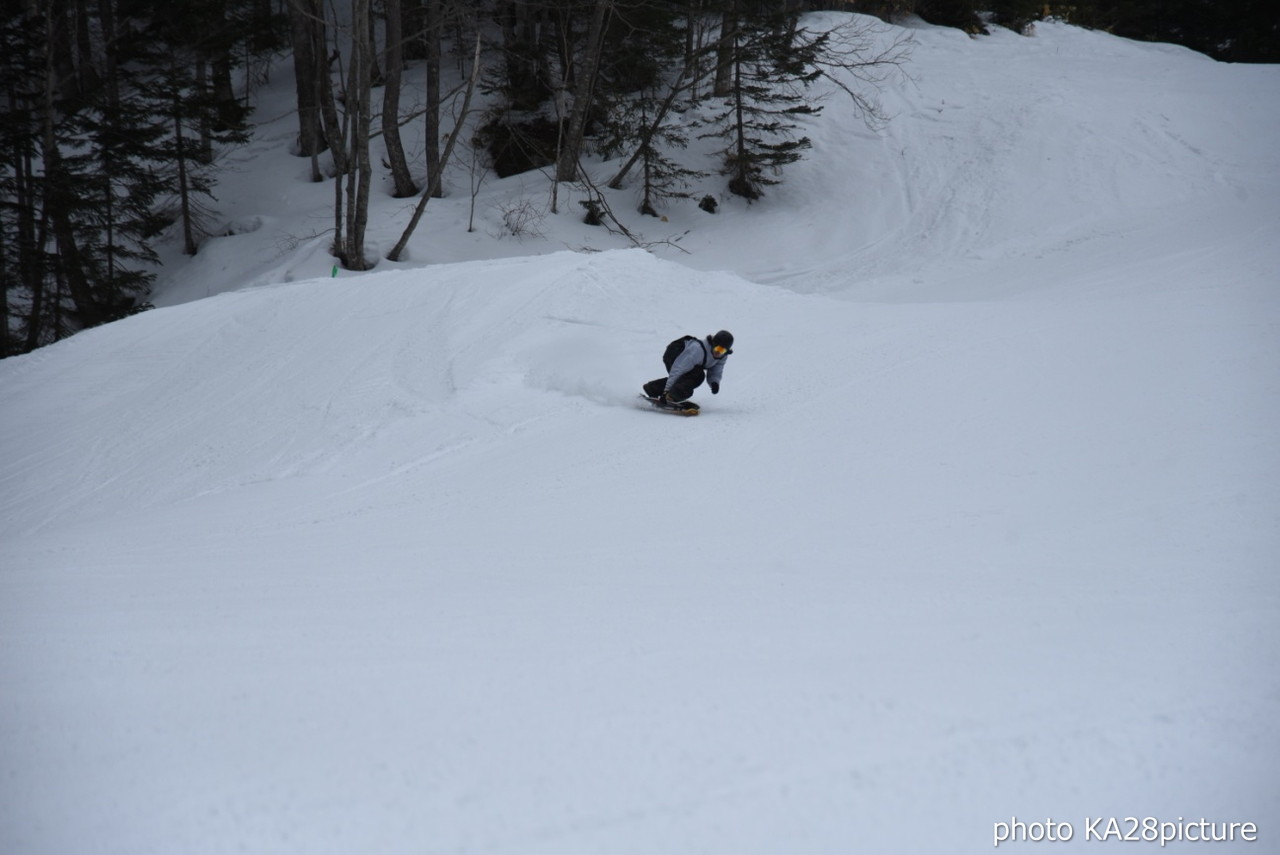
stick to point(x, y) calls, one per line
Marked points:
point(697, 354)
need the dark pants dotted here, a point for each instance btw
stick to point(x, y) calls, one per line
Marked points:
point(681, 389)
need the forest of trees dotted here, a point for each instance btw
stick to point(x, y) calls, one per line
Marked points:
point(115, 112)
point(1227, 30)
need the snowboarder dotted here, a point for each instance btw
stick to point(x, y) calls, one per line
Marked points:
point(689, 361)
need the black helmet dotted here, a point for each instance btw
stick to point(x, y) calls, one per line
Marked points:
point(724, 339)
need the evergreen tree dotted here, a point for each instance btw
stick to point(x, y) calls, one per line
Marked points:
point(111, 109)
point(1016, 15)
point(110, 160)
point(645, 86)
point(188, 116)
point(769, 66)
point(97, 188)
point(961, 14)
point(23, 228)
point(647, 123)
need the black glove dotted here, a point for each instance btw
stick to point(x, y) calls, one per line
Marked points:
point(715, 388)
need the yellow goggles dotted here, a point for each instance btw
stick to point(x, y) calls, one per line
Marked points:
point(719, 351)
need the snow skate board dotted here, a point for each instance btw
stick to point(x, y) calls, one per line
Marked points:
point(680, 408)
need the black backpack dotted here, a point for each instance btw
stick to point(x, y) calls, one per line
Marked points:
point(675, 349)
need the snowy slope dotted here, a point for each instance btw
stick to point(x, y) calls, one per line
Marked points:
point(984, 523)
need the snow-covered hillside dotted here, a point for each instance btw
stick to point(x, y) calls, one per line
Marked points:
point(983, 525)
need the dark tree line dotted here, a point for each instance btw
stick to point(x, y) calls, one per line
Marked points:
point(113, 112)
point(622, 77)
point(1228, 30)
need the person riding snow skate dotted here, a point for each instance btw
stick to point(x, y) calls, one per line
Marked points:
point(689, 362)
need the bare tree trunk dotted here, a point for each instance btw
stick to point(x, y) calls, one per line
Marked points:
point(10, 281)
point(691, 18)
point(184, 195)
point(34, 263)
point(571, 147)
point(309, 26)
point(87, 308)
point(110, 75)
point(400, 176)
point(724, 53)
point(359, 93)
point(30, 239)
point(434, 33)
point(5, 348)
point(39, 280)
point(87, 74)
point(306, 67)
point(224, 93)
point(741, 179)
point(206, 129)
point(333, 128)
point(58, 32)
point(56, 189)
point(398, 249)
point(375, 69)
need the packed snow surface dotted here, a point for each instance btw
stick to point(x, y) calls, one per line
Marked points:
point(983, 527)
